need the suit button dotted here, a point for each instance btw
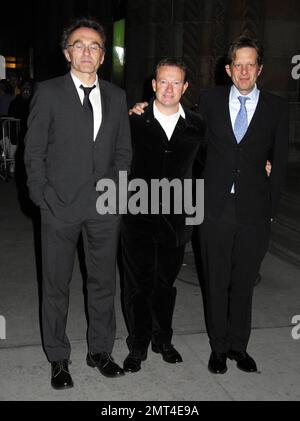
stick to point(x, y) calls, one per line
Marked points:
point(237, 171)
point(167, 151)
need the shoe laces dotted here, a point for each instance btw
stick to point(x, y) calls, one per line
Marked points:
point(62, 366)
point(107, 358)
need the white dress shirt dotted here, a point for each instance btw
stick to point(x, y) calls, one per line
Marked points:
point(95, 98)
point(235, 105)
point(168, 122)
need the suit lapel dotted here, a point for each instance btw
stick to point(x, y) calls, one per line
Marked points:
point(154, 125)
point(180, 126)
point(105, 106)
point(72, 92)
point(224, 115)
point(258, 113)
point(75, 101)
point(72, 102)
point(226, 122)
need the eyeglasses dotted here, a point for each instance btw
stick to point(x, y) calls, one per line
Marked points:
point(80, 47)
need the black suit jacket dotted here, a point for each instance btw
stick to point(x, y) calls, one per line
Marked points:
point(63, 162)
point(155, 157)
point(227, 162)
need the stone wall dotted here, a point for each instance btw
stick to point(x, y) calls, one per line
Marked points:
point(198, 31)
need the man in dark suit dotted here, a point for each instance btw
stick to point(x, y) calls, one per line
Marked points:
point(166, 141)
point(245, 128)
point(78, 133)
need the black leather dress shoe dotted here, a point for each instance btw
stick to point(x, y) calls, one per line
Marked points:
point(244, 361)
point(60, 375)
point(217, 363)
point(168, 352)
point(132, 362)
point(105, 364)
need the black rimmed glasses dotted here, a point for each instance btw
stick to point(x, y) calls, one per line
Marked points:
point(80, 47)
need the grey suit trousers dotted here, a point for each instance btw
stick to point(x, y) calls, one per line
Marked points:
point(59, 242)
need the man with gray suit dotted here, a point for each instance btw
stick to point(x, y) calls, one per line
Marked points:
point(78, 133)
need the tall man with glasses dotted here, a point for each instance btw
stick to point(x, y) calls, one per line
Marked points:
point(78, 133)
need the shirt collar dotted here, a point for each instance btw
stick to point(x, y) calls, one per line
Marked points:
point(235, 93)
point(158, 113)
point(78, 82)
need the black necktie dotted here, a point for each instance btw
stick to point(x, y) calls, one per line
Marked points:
point(87, 106)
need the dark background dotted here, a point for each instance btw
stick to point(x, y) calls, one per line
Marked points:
point(197, 31)
point(36, 26)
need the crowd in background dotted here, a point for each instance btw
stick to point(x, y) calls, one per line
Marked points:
point(15, 99)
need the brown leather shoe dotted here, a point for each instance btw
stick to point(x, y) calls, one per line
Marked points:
point(105, 364)
point(60, 375)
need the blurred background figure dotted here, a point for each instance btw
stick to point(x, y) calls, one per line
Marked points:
point(6, 96)
point(15, 82)
point(19, 106)
point(19, 109)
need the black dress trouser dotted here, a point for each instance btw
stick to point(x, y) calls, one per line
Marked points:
point(150, 270)
point(231, 256)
